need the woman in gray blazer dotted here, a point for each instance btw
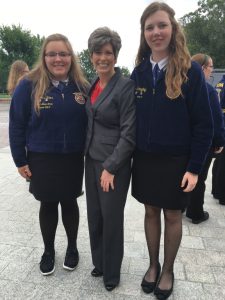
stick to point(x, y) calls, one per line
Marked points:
point(109, 146)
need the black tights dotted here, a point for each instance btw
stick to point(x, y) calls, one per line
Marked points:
point(48, 217)
point(172, 239)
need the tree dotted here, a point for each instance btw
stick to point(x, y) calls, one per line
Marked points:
point(87, 67)
point(205, 30)
point(16, 43)
point(125, 72)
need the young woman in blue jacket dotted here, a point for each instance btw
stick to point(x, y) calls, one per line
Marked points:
point(174, 133)
point(218, 170)
point(47, 134)
point(195, 209)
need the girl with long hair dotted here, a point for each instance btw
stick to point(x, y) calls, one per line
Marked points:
point(174, 132)
point(47, 130)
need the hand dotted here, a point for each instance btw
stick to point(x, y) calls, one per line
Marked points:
point(25, 171)
point(218, 150)
point(190, 180)
point(107, 181)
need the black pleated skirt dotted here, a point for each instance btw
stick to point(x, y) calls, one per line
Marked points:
point(56, 177)
point(156, 180)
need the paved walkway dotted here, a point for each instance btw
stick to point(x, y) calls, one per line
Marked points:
point(199, 268)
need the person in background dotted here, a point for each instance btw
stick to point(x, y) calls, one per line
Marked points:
point(47, 130)
point(17, 70)
point(220, 86)
point(174, 134)
point(195, 209)
point(109, 146)
point(218, 170)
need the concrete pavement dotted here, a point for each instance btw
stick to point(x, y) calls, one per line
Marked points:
point(199, 268)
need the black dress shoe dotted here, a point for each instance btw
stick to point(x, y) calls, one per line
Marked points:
point(202, 219)
point(110, 287)
point(222, 202)
point(215, 196)
point(148, 287)
point(96, 273)
point(164, 294)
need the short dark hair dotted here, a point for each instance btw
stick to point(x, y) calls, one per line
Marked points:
point(102, 36)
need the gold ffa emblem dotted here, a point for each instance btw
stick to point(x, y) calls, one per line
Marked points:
point(220, 85)
point(139, 92)
point(79, 98)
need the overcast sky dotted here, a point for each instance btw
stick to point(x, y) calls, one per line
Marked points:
point(78, 18)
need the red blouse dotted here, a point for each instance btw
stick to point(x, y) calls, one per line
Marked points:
point(96, 92)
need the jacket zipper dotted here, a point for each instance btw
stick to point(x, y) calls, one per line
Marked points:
point(64, 136)
point(153, 96)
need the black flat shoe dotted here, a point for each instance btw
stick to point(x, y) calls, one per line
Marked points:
point(96, 273)
point(202, 219)
point(110, 287)
point(164, 294)
point(148, 287)
point(222, 201)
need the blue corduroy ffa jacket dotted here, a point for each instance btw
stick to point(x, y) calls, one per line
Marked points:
point(220, 87)
point(182, 126)
point(60, 127)
point(218, 122)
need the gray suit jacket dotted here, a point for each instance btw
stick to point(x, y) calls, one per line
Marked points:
point(111, 123)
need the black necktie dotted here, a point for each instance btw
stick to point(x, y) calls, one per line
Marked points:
point(155, 73)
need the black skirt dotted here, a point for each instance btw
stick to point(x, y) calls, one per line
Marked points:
point(56, 177)
point(156, 180)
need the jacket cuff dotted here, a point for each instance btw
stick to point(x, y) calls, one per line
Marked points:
point(109, 168)
point(218, 142)
point(194, 168)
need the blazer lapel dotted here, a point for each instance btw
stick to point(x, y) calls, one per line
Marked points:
point(107, 90)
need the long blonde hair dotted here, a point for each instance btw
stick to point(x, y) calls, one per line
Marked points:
point(16, 73)
point(179, 57)
point(40, 75)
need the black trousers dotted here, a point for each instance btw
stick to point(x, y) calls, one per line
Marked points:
point(218, 177)
point(196, 197)
point(106, 219)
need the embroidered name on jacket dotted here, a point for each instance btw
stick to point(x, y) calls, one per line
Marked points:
point(46, 102)
point(139, 92)
point(79, 98)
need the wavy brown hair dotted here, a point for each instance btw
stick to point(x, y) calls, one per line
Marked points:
point(41, 77)
point(16, 73)
point(179, 57)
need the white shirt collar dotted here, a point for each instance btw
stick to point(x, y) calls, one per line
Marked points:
point(56, 82)
point(162, 63)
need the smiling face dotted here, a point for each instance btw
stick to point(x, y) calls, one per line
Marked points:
point(104, 60)
point(58, 59)
point(158, 33)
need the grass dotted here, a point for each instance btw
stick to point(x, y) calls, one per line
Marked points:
point(4, 96)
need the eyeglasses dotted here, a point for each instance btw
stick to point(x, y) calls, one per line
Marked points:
point(53, 54)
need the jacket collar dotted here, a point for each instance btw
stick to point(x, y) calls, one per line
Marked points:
point(146, 67)
point(107, 90)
